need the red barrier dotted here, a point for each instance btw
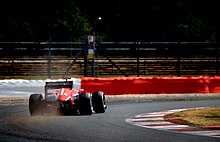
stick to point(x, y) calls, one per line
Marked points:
point(149, 85)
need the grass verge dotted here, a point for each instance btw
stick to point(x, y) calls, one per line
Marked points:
point(201, 117)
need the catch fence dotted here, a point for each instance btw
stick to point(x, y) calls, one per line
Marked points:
point(104, 59)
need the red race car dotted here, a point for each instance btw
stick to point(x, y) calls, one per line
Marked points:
point(64, 96)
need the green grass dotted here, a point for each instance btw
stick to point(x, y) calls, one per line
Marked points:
point(209, 116)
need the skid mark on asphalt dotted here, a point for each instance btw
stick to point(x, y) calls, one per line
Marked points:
point(156, 121)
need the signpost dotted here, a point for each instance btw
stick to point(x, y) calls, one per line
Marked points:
point(91, 52)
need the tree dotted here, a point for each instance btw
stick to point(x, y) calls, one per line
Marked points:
point(65, 20)
point(36, 20)
point(156, 20)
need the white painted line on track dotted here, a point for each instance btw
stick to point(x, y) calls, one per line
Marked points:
point(146, 119)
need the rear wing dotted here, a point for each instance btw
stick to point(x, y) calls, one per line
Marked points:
point(72, 83)
point(58, 85)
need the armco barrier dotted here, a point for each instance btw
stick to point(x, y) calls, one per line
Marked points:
point(149, 85)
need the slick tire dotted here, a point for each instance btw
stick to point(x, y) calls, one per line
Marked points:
point(98, 102)
point(35, 104)
point(85, 105)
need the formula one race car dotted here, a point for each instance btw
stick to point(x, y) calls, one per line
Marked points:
point(64, 96)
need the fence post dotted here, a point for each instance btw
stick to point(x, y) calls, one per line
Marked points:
point(178, 60)
point(85, 57)
point(93, 57)
point(138, 70)
point(217, 58)
point(49, 57)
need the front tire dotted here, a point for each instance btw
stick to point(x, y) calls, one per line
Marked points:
point(35, 104)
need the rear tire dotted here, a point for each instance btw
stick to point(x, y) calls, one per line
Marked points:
point(98, 102)
point(35, 104)
point(85, 105)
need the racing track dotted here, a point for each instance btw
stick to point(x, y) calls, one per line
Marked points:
point(17, 125)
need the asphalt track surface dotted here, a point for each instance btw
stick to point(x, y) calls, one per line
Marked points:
point(17, 124)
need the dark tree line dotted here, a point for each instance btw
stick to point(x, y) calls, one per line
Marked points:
point(37, 20)
point(70, 20)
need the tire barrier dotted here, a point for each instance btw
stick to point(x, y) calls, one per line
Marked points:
point(152, 85)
